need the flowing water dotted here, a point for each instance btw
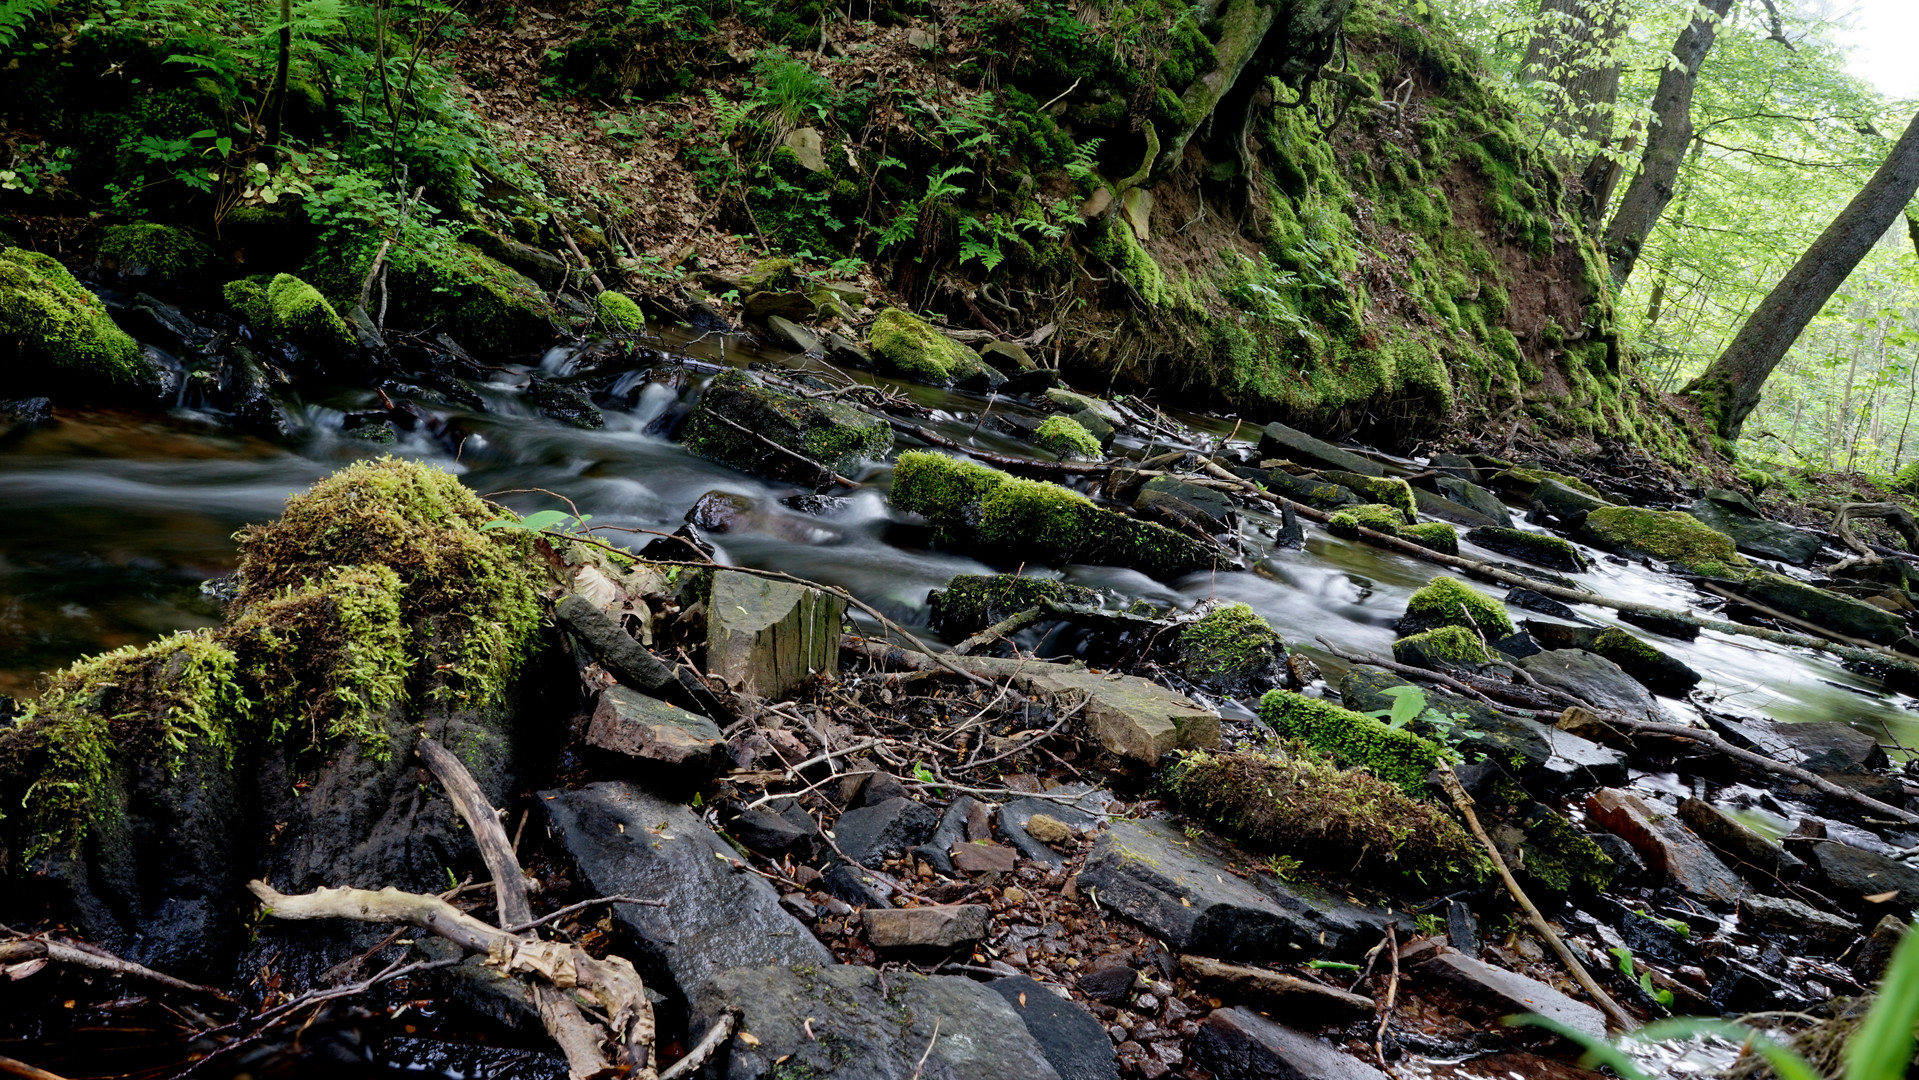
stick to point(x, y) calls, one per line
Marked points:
point(113, 519)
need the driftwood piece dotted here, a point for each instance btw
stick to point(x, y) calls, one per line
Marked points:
point(25, 948)
point(1892, 513)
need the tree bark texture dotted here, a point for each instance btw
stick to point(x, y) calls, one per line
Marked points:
point(1652, 187)
point(1571, 47)
point(1729, 389)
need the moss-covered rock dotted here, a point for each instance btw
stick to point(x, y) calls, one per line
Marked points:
point(1656, 671)
point(1823, 607)
point(1521, 481)
point(1436, 535)
point(1539, 548)
point(1340, 820)
point(1448, 601)
point(1017, 519)
point(1395, 755)
point(1231, 650)
point(1065, 438)
point(1347, 522)
point(1672, 535)
point(737, 417)
point(913, 348)
point(288, 308)
point(1382, 490)
point(618, 313)
point(1442, 647)
point(67, 346)
point(170, 256)
point(1543, 847)
point(453, 288)
point(972, 602)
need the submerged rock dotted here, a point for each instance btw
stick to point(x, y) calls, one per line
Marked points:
point(1821, 607)
point(66, 345)
point(1027, 519)
point(737, 418)
point(567, 404)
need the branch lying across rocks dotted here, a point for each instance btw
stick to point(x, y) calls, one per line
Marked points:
point(23, 948)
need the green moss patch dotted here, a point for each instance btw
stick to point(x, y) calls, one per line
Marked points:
point(159, 251)
point(1345, 821)
point(161, 702)
point(1063, 437)
point(1672, 535)
point(971, 504)
point(912, 347)
point(618, 313)
point(455, 288)
point(1233, 650)
point(1448, 601)
point(1395, 755)
point(1440, 647)
point(972, 602)
point(1380, 518)
point(61, 334)
point(1382, 490)
point(1436, 535)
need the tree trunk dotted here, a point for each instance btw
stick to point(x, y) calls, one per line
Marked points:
point(1652, 186)
point(1601, 177)
point(1663, 278)
point(277, 109)
point(1572, 48)
point(1729, 388)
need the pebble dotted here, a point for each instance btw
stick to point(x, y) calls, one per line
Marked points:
point(1014, 895)
point(1048, 830)
point(1118, 1033)
point(1146, 1003)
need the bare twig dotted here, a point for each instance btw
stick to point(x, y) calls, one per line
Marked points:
point(703, 1050)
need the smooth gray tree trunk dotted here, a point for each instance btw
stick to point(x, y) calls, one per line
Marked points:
point(1728, 390)
point(1652, 187)
point(1572, 47)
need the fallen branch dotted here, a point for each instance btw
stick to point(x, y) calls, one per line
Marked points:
point(703, 1050)
point(927, 435)
point(1790, 620)
point(1606, 1004)
point(21, 1069)
point(93, 958)
point(1010, 624)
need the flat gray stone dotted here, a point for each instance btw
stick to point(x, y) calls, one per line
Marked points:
point(853, 1023)
point(1856, 874)
point(1438, 506)
point(631, 723)
point(1748, 852)
point(869, 835)
point(1279, 441)
point(1734, 515)
point(798, 337)
point(1477, 499)
point(628, 842)
point(1594, 679)
point(938, 927)
point(1769, 917)
point(807, 147)
point(1493, 992)
point(1239, 1044)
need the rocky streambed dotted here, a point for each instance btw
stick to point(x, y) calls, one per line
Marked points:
point(930, 735)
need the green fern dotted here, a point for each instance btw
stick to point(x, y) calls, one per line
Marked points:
point(14, 17)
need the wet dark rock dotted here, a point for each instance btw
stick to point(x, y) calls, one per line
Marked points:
point(1274, 992)
point(1669, 849)
point(1647, 664)
point(721, 511)
point(1628, 867)
point(1311, 490)
point(1733, 514)
point(1664, 625)
point(1239, 1044)
point(1441, 508)
point(1830, 747)
point(854, 1023)
point(926, 928)
point(1280, 441)
point(628, 842)
point(1067, 1034)
point(845, 350)
point(878, 788)
point(1112, 979)
point(772, 433)
point(771, 834)
point(1456, 465)
point(1477, 499)
point(684, 543)
point(1150, 872)
point(1547, 551)
point(1861, 878)
point(1517, 646)
point(19, 414)
point(950, 831)
point(566, 404)
point(857, 887)
point(1742, 988)
point(1593, 679)
point(1483, 991)
point(1014, 815)
point(1097, 426)
point(760, 306)
point(1876, 951)
point(1753, 855)
point(1462, 929)
point(1771, 918)
point(1030, 383)
point(1843, 614)
point(1563, 502)
point(972, 602)
point(1552, 856)
point(1651, 939)
point(1545, 605)
point(1214, 504)
point(791, 334)
point(870, 835)
point(817, 505)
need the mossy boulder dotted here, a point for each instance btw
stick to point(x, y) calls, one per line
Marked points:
point(1383, 490)
point(1436, 535)
point(913, 348)
point(452, 288)
point(618, 313)
point(1390, 520)
point(166, 256)
point(1341, 820)
point(972, 602)
point(1823, 607)
point(1672, 535)
point(1448, 601)
point(1543, 847)
point(1442, 647)
point(64, 344)
point(1395, 755)
point(1539, 548)
point(1065, 438)
point(1027, 520)
point(288, 308)
point(737, 417)
point(1231, 650)
point(1310, 489)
